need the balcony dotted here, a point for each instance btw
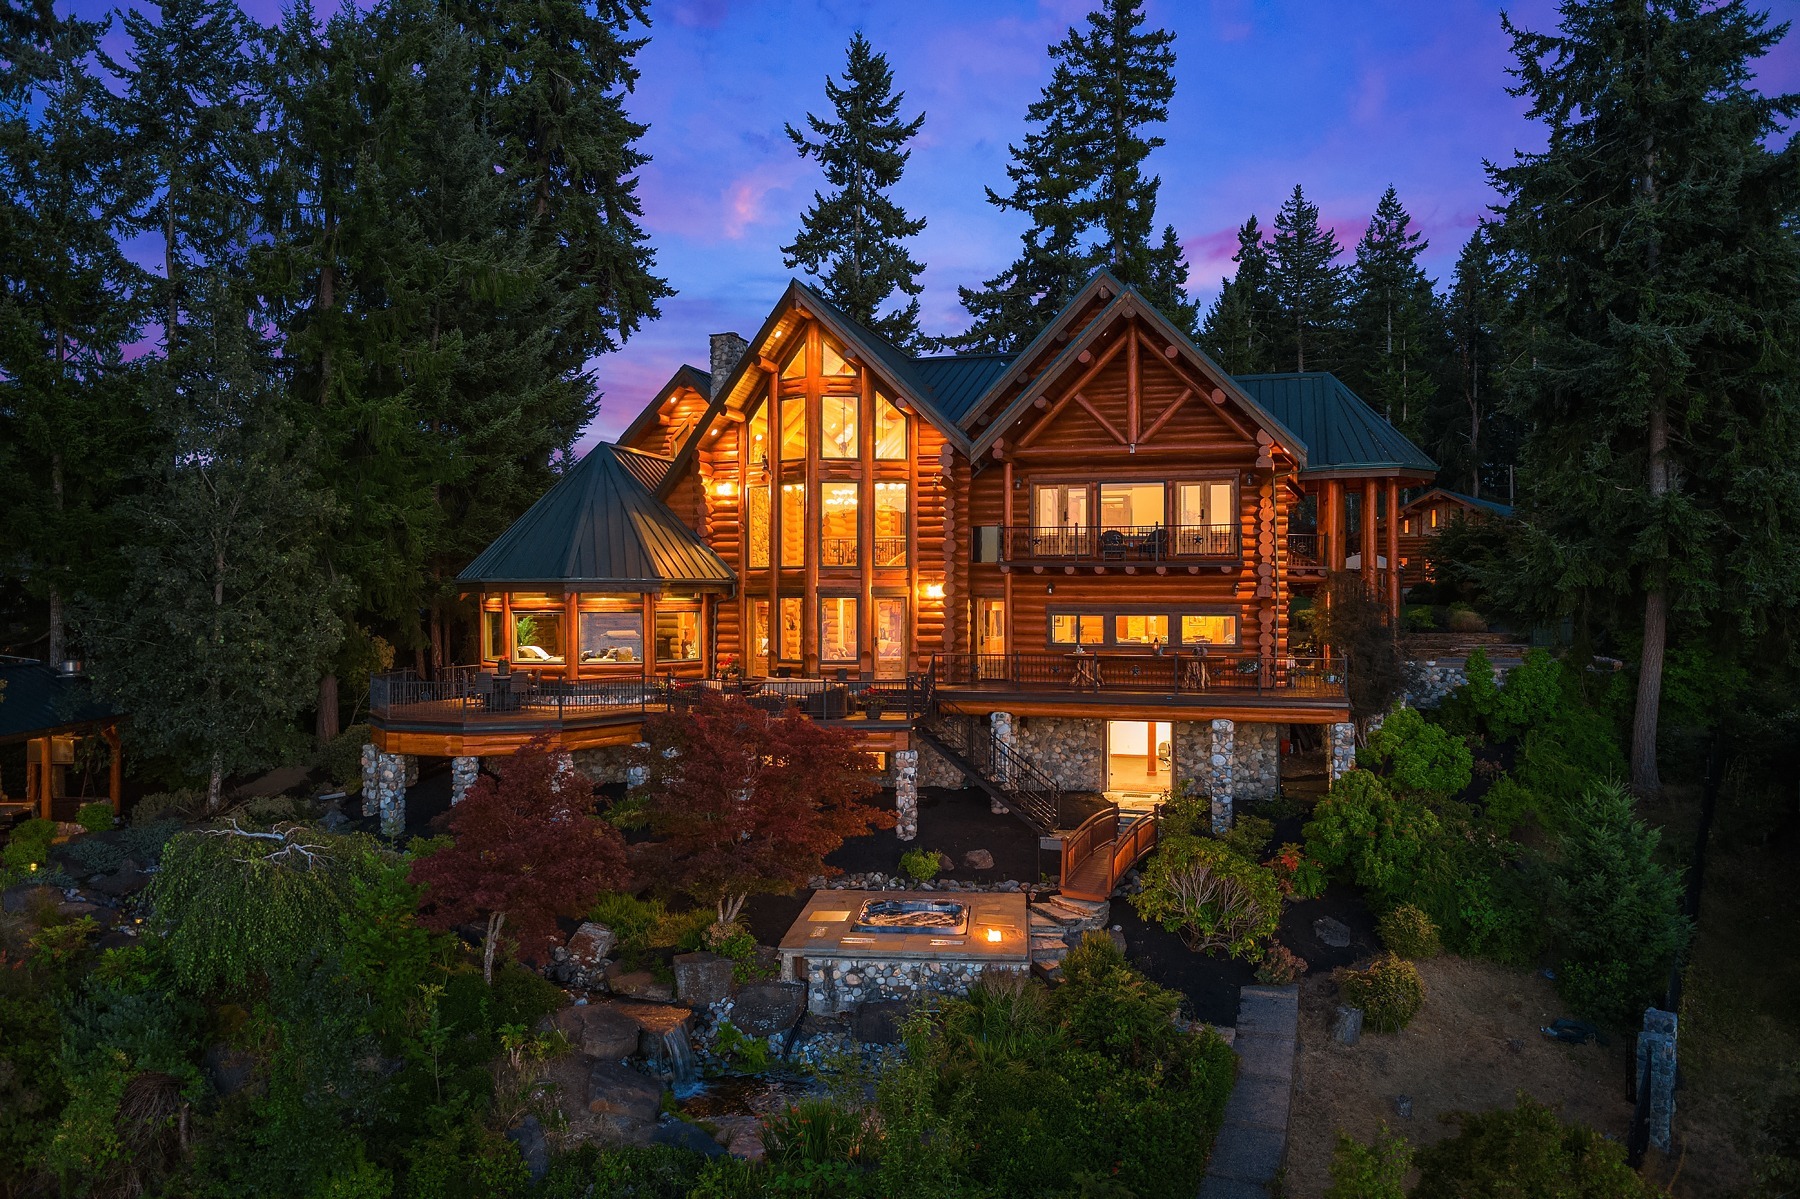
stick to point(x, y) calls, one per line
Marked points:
point(1171, 674)
point(1129, 544)
point(1303, 551)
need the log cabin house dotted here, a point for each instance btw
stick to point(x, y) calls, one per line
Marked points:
point(1427, 515)
point(1066, 570)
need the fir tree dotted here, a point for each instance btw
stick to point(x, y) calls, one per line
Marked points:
point(1475, 431)
point(1657, 315)
point(1239, 327)
point(1079, 176)
point(1308, 285)
point(852, 240)
point(1395, 327)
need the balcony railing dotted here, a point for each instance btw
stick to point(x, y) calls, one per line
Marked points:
point(1303, 549)
point(1167, 674)
point(1124, 543)
point(890, 551)
point(838, 551)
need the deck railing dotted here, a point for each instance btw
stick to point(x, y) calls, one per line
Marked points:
point(1123, 543)
point(1169, 674)
point(1303, 549)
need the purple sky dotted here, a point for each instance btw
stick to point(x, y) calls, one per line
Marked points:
point(1343, 98)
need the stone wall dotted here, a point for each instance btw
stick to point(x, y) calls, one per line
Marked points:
point(1428, 681)
point(1193, 752)
point(1069, 751)
point(1256, 761)
point(934, 769)
point(605, 765)
point(836, 985)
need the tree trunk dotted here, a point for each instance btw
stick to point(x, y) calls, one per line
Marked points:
point(215, 784)
point(495, 923)
point(1645, 779)
point(329, 725)
point(58, 648)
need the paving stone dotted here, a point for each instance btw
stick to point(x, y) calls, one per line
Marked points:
point(1263, 1056)
point(1247, 1151)
point(1260, 1009)
point(1260, 1101)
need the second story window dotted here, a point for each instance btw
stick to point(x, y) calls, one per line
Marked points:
point(1060, 506)
point(793, 524)
point(793, 428)
point(1131, 505)
point(890, 524)
point(837, 524)
point(759, 435)
point(890, 431)
point(1206, 518)
point(837, 426)
point(760, 528)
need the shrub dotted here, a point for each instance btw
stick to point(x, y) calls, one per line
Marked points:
point(747, 1053)
point(1298, 876)
point(737, 943)
point(1217, 899)
point(341, 757)
point(1508, 803)
point(1376, 1171)
point(1249, 836)
point(28, 845)
point(1464, 619)
point(1419, 760)
point(1186, 812)
point(1383, 840)
point(1418, 618)
point(815, 1132)
point(920, 865)
point(1280, 966)
point(1525, 1150)
point(167, 805)
point(96, 817)
point(1389, 992)
point(1409, 932)
point(1615, 913)
point(631, 919)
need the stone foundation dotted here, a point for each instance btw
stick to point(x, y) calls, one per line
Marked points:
point(1340, 750)
point(840, 984)
point(1256, 761)
point(906, 793)
point(463, 773)
point(384, 788)
point(1218, 774)
point(1068, 750)
point(604, 766)
point(1000, 726)
point(934, 770)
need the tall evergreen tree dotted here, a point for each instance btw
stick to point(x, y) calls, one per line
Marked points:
point(852, 240)
point(1655, 238)
point(1395, 324)
point(1309, 287)
point(1240, 326)
point(1080, 178)
point(1475, 432)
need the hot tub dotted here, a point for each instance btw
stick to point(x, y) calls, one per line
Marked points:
point(912, 916)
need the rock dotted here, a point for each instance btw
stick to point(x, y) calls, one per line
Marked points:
point(742, 1136)
point(598, 1029)
point(1334, 934)
point(946, 863)
point(682, 1135)
point(702, 979)
point(1118, 939)
point(590, 944)
point(764, 1008)
point(528, 1135)
point(126, 880)
point(1348, 1029)
point(638, 984)
point(615, 1090)
point(655, 1023)
point(26, 896)
point(978, 859)
point(878, 1021)
point(333, 820)
point(230, 1070)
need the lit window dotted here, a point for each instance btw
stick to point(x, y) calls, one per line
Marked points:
point(1068, 629)
point(890, 430)
point(837, 524)
point(677, 634)
point(493, 634)
point(1130, 505)
point(890, 524)
point(759, 527)
point(1061, 507)
point(837, 628)
point(611, 631)
point(793, 427)
point(834, 361)
point(1434, 518)
point(759, 434)
point(1141, 630)
point(1209, 630)
point(890, 638)
point(796, 363)
point(790, 627)
point(837, 426)
point(793, 524)
point(762, 637)
point(537, 637)
point(1206, 518)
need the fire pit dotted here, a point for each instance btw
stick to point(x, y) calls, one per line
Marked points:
point(912, 915)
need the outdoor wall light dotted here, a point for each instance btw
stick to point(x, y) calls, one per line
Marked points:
point(934, 591)
point(724, 489)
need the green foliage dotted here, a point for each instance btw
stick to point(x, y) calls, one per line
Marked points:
point(1418, 618)
point(631, 1172)
point(1463, 619)
point(1615, 912)
point(96, 817)
point(744, 1052)
point(28, 844)
point(1409, 932)
point(1382, 839)
point(167, 805)
point(1248, 836)
point(1508, 803)
point(341, 757)
point(384, 950)
point(820, 1146)
point(1419, 760)
point(1376, 1171)
point(1217, 899)
point(1185, 812)
point(630, 918)
point(1279, 966)
point(920, 865)
point(1390, 992)
point(33, 1088)
point(1525, 1150)
point(1298, 876)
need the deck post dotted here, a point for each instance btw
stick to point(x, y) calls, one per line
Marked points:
point(463, 773)
point(1370, 513)
point(1393, 551)
point(1340, 750)
point(1219, 773)
point(906, 793)
point(390, 792)
point(369, 755)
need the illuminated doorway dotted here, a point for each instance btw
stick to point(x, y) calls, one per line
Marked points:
point(1139, 756)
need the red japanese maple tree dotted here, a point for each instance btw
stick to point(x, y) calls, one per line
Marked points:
point(741, 802)
point(527, 849)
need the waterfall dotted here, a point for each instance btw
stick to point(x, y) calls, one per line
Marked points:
point(677, 1055)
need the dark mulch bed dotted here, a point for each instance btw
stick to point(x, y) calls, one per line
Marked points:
point(1343, 903)
point(1210, 984)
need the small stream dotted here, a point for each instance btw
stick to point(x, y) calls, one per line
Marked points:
point(740, 1095)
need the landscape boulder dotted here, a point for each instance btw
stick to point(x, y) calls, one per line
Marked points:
point(590, 945)
point(978, 859)
point(616, 1090)
point(528, 1135)
point(702, 979)
point(766, 1008)
point(638, 984)
point(1333, 934)
point(599, 1030)
point(682, 1135)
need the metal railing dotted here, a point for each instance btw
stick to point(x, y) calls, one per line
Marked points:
point(837, 551)
point(890, 551)
point(1303, 549)
point(1032, 795)
point(1123, 543)
point(1170, 674)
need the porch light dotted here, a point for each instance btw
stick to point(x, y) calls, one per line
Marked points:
point(934, 591)
point(993, 934)
point(724, 489)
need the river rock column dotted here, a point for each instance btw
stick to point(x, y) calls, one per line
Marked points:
point(369, 754)
point(463, 773)
point(390, 793)
point(1218, 773)
point(1001, 724)
point(1340, 750)
point(1656, 1071)
point(906, 793)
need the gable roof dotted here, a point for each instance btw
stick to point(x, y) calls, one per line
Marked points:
point(647, 468)
point(684, 376)
point(1469, 501)
point(599, 526)
point(1343, 435)
point(35, 700)
point(958, 381)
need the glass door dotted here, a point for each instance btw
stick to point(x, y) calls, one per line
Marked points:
point(990, 638)
point(762, 641)
point(890, 638)
point(1059, 522)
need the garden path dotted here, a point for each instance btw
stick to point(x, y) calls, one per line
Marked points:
point(1253, 1137)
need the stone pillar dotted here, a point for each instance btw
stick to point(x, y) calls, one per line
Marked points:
point(369, 754)
point(412, 769)
point(562, 768)
point(906, 793)
point(1340, 750)
point(1002, 725)
point(463, 772)
point(390, 793)
point(1218, 773)
point(1656, 1070)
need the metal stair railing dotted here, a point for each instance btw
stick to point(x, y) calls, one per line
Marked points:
point(1027, 791)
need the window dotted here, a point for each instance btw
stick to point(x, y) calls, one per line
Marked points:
point(1406, 525)
point(1206, 518)
point(890, 430)
point(493, 634)
point(790, 628)
point(990, 626)
point(834, 362)
point(890, 638)
point(1141, 630)
point(537, 637)
point(1130, 505)
point(1208, 630)
point(760, 531)
point(837, 628)
point(1434, 518)
point(1060, 507)
point(796, 363)
point(837, 524)
point(793, 524)
point(611, 631)
point(1071, 629)
point(837, 426)
point(759, 434)
point(890, 524)
point(762, 646)
point(793, 427)
point(677, 634)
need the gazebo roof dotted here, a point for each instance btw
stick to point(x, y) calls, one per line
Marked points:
point(1342, 434)
point(36, 700)
point(600, 528)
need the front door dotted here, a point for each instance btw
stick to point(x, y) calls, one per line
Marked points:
point(890, 638)
point(1138, 756)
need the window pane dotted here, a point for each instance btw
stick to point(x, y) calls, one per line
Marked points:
point(612, 636)
point(834, 361)
point(1129, 505)
point(837, 433)
point(991, 627)
point(759, 526)
point(759, 434)
point(762, 647)
point(1141, 630)
point(890, 524)
point(537, 637)
point(837, 524)
point(677, 634)
point(1070, 629)
point(796, 364)
point(890, 430)
point(1209, 630)
point(493, 634)
point(837, 628)
point(890, 638)
point(793, 427)
point(790, 627)
point(793, 524)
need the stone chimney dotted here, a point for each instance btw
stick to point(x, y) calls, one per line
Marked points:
point(727, 348)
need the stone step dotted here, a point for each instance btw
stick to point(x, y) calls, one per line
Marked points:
point(1078, 915)
point(1043, 915)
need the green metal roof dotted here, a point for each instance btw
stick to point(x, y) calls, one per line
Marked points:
point(1341, 433)
point(600, 527)
point(1472, 501)
point(957, 381)
point(35, 700)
